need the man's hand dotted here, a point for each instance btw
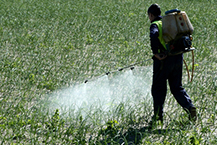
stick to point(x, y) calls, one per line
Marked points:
point(160, 56)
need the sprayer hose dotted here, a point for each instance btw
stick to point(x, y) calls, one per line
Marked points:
point(187, 69)
point(192, 71)
point(192, 74)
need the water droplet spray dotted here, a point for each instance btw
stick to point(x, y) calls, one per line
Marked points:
point(129, 86)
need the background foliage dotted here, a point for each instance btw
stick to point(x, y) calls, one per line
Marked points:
point(46, 45)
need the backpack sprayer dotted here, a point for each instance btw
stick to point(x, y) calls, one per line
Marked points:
point(177, 34)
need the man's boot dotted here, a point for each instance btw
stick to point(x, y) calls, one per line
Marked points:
point(192, 114)
point(154, 121)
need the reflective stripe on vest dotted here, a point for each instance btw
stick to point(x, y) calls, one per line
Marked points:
point(160, 37)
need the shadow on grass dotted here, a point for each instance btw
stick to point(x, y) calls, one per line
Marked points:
point(135, 136)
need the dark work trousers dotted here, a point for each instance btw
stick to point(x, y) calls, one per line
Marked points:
point(168, 69)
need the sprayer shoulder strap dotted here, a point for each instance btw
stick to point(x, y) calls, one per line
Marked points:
point(160, 37)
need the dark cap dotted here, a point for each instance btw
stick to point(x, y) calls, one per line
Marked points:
point(154, 9)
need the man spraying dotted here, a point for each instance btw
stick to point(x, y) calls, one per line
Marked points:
point(165, 68)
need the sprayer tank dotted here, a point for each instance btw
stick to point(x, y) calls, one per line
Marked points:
point(174, 24)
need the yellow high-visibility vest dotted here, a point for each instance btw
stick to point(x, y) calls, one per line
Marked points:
point(160, 37)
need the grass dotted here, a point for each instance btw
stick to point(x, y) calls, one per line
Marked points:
point(47, 45)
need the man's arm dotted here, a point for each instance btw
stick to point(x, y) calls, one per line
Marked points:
point(155, 43)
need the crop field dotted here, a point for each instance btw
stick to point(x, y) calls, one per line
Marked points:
point(50, 47)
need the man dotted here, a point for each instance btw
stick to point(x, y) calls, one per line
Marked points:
point(165, 68)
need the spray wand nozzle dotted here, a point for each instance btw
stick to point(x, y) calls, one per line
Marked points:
point(107, 73)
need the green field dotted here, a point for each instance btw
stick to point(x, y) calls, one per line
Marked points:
point(48, 45)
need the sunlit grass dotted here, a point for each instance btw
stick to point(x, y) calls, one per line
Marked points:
point(48, 45)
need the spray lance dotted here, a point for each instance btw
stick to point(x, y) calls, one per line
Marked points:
point(132, 66)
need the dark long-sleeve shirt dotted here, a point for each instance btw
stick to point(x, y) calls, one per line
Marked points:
point(154, 33)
